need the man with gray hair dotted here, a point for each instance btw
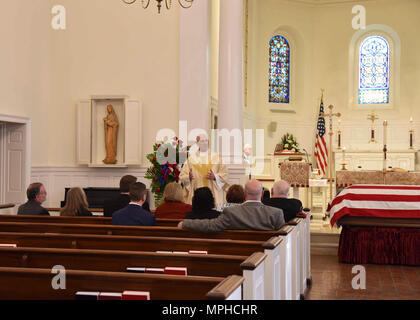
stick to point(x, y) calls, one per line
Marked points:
point(279, 199)
point(251, 215)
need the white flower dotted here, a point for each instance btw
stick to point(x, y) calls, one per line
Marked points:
point(286, 145)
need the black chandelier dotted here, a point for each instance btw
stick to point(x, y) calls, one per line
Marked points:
point(145, 3)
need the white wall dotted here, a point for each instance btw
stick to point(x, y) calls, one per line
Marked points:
point(25, 78)
point(323, 34)
point(112, 48)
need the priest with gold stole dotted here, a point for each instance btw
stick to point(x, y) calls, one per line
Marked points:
point(204, 169)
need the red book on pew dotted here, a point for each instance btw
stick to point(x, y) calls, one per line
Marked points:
point(136, 295)
point(180, 271)
point(197, 252)
point(87, 295)
point(155, 270)
point(136, 269)
point(110, 296)
point(7, 245)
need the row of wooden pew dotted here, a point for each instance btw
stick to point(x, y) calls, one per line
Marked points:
point(238, 264)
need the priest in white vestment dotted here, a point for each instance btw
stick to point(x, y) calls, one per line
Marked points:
point(204, 169)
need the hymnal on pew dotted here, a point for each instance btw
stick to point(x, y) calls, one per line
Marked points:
point(180, 271)
point(136, 269)
point(155, 270)
point(110, 296)
point(87, 295)
point(197, 252)
point(136, 295)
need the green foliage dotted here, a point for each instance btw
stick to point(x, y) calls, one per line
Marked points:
point(166, 163)
point(289, 142)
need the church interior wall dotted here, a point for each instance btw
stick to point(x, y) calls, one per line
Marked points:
point(326, 32)
point(25, 66)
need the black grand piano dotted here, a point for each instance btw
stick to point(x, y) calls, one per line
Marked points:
point(96, 196)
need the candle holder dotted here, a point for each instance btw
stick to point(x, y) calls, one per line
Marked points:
point(343, 166)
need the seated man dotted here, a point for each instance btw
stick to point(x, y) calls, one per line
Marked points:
point(123, 199)
point(133, 214)
point(251, 215)
point(36, 194)
point(279, 199)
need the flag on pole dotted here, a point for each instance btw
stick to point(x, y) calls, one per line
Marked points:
point(321, 151)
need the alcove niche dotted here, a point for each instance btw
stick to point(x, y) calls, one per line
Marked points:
point(91, 150)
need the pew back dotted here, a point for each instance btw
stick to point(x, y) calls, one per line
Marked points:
point(36, 284)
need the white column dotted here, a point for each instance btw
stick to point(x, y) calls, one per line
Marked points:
point(231, 68)
point(194, 96)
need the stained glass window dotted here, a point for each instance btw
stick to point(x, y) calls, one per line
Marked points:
point(374, 71)
point(279, 77)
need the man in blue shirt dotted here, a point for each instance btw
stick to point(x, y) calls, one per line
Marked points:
point(134, 214)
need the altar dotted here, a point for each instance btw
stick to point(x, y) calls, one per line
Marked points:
point(373, 159)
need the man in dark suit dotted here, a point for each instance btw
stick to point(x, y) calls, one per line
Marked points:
point(122, 200)
point(133, 214)
point(251, 215)
point(36, 194)
point(279, 199)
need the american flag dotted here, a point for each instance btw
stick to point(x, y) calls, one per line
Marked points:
point(321, 151)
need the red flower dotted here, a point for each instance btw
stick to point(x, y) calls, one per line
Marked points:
point(153, 171)
point(154, 159)
point(162, 171)
point(157, 190)
point(155, 179)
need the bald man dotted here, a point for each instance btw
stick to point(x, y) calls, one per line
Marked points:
point(204, 169)
point(279, 199)
point(251, 215)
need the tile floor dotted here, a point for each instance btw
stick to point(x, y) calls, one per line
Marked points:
point(331, 280)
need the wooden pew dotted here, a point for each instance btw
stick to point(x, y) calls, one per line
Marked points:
point(76, 220)
point(213, 246)
point(252, 267)
point(134, 231)
point(36, 284)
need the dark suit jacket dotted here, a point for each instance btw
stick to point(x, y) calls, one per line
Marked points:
point(121, 201)
point(290, 207)
point(133, 215)
point(32, 208)
point(247, 216)
point(84, 213)
point(211, 214)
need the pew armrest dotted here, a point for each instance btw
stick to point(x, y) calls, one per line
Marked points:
point(7, 205)
point(225, 288)
point(272, 243)
point(285, 230)
point(253, 261)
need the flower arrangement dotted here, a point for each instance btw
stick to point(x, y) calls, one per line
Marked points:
point(289, 142)
point(167, 160)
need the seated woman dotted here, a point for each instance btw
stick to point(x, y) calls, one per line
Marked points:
point(76, 204)
point(202, 205)
point(173, 206)
point(234, 196)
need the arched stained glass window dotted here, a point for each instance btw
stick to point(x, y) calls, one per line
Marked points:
point(279, 77)
point(374, 71)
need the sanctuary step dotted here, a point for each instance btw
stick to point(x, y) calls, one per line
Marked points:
point(323, 243)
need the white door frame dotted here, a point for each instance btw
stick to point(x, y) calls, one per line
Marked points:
point(27, 123)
